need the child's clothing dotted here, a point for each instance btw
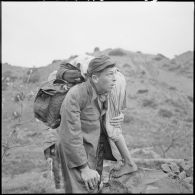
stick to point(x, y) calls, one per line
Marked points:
point(116, 103)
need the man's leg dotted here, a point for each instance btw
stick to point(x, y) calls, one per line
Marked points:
point(56, 172)
point(56, 168)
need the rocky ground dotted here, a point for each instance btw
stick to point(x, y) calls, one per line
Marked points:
point(158, 126)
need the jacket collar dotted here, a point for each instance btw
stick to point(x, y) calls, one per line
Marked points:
point(92, 90)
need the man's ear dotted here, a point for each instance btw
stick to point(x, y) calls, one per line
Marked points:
point(95, 78)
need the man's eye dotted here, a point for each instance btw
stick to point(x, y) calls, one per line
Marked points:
point(111, 73)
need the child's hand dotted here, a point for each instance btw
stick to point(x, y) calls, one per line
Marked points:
point(49, 160)
point(116, 121)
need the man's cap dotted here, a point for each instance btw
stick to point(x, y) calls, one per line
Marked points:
point(99, 63)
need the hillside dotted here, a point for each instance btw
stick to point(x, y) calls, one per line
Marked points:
point(159, 114)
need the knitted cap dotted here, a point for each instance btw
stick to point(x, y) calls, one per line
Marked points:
point(99, 63)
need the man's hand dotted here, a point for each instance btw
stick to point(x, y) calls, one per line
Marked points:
point(116, 121)
point(90, 177)
point(49, 160)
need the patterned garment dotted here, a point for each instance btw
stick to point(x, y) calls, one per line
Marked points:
point(116, 103)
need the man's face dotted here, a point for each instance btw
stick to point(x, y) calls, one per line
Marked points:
point(105, 81)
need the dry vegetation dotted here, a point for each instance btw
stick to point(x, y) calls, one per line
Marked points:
point(159, 115)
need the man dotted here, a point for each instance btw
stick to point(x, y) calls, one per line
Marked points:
point(83, 142)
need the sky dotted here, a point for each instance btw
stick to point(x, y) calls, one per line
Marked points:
point(36, 33)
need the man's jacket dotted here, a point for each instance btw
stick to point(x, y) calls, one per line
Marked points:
point(79, 134)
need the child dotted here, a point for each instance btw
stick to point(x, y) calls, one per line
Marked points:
point(116, 102)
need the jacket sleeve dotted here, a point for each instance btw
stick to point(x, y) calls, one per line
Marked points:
point(70, 132)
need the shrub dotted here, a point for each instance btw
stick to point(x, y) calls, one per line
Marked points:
point(7, 74)
point(172, 88)
point(165, 113)
point(116, 52)
point(190, 98)
point(126, 65)
point(34, 78)
point(158, 58)
point(140, 91)
point(7, 78)
point(149, 103)
point(4, 86)
point(189, 120)
point(96, 49)
point(174, 67)
point(127, 118)
point(177, 104)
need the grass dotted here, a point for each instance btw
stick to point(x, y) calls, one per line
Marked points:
point(24, 169)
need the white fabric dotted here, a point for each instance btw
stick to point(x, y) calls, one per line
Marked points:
point(52, 76)
point(83, 60)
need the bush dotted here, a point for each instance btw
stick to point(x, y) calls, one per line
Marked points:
point(116, 52)
point(190, 98)
point(34, 78)
point(96, 49)
point(126, 65)
point(140, 91)
point(127, 118)
point(176, 103)
point(172, 88)
point(149, 103)
point(165, 113)
point(7, 75)
point(158, 58)
point(4, 86)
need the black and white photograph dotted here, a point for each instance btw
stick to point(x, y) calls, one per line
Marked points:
point(97, 97)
